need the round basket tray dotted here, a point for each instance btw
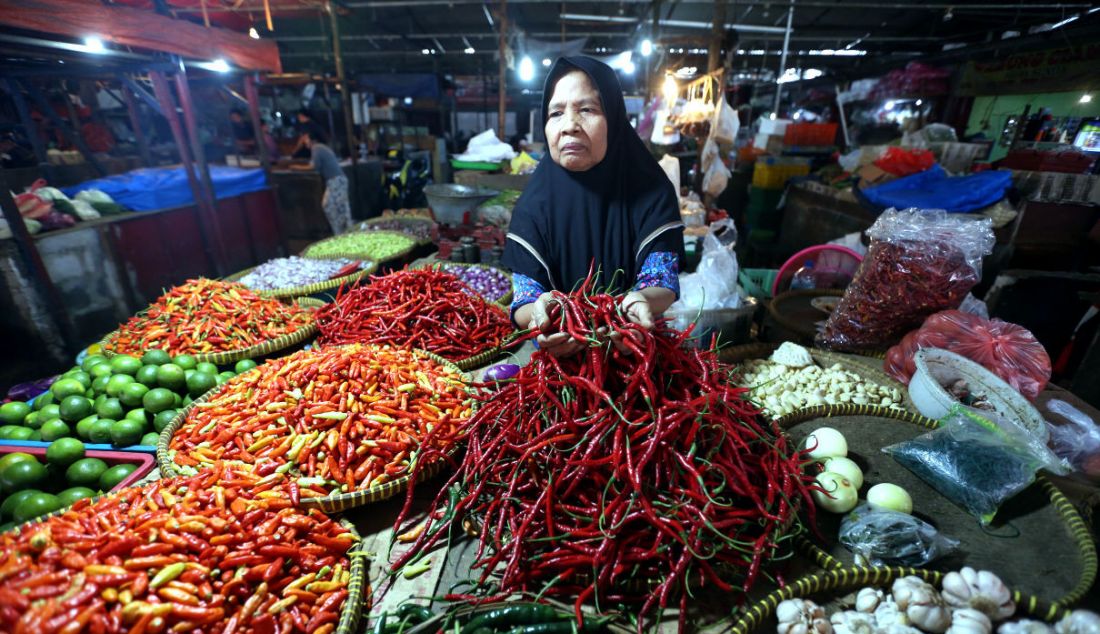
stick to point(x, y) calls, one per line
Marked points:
point(793, 312)
point(331, 503)
point(866, 368)
point(259, 350)
point(404, 221)
point(364, 255)
point(309, 289)
point(504, 300)
point(483, 358)
point(1038, 527)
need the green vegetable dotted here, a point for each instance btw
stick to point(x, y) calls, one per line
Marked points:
point(374, 245)
point(168, 573)
point(512, 615)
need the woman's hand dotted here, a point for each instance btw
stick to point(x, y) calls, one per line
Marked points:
point(636, 308)
point(559, 344)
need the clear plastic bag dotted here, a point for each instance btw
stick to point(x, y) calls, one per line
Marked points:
point(919, 263)
point(975, 461)
point(1078, 442)
point(726, 124)
point(714, 282)
point(881, 537)
point(1005, 349)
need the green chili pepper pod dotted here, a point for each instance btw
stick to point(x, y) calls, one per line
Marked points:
point(519, 614)
point(556, 627)
point(414, 613)
point(379, 624)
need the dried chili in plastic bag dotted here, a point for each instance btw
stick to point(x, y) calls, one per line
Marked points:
point(919, 263)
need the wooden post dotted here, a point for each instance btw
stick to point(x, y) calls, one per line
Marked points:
point(717, 30)
point(253, 97)
point(345, 94)
point(135, 123)
point(502, 96)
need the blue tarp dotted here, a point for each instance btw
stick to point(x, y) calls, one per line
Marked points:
point(934, 189)
point(166, 187)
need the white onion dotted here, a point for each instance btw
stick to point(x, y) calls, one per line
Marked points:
point(847, 468)
point(891, 497)
point(826, 442)
point(839, 496)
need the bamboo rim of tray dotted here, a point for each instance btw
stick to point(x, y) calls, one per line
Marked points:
point(840, 578)
point(497, 350)
point(824, 358)
point(402, 219)
point(368, 267)
point(403, 252)
point(334, 502)
point(503, 300)
point(261, 349)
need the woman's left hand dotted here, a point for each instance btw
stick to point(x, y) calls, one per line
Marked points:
point(636, 308)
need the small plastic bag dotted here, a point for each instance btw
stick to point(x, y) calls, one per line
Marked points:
point(726, 124)
point(881, 537)
point(714, 282)
point(919, 263)
point(1077, 442)
point(975, 461)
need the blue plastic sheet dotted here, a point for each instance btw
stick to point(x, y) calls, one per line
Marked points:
point(934, 189)
point(166, 187)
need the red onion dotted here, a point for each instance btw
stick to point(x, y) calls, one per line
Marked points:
point(490, 283)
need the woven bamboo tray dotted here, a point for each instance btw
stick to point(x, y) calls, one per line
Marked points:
point(483, 358)
point(309, 289)
point(839, 578)
point(408, 221)
point(865, 368)
point(504, 300)
point(410, 245)
point(331, 503)
point(259, 350)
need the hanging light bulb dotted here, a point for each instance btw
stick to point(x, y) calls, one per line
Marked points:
point(647, 48)
point(670, 90)
point(526, 69)
point(253, 33)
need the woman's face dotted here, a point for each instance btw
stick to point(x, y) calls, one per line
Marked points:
point(576, 129)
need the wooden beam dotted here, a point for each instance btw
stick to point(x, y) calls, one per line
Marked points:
point(135, 123)
point(141, 29)
point(345, 94)
point(502, 97)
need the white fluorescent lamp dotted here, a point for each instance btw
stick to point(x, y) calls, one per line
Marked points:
point(425, 51)
point(647, 48)
point(218, 66)
point(920, 102)
point(621, 61)
point(812, 73)
point(94, 45)
point(526, 69)
point(546, 61)
point(469, 50)
point(1086, 98)
point(684, 24)
point(253, 33)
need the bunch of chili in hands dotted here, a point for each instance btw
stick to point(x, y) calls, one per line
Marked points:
point(422, 308)
point(338, 419)
point(205, 316)
point(636, 459)
point(222, 551)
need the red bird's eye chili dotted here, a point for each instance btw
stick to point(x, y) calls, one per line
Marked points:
point(177, 585)
point(205, 316)
point(337, 419)
point(641, 464)
point(422, 308)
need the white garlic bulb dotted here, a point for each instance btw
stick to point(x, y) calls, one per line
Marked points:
point(1025, 626)
point(981, 590)
point(801, 616)
point(922, 604)
point(854, 622)
point(1079, 622)
point(868, 599)
point(969, 621)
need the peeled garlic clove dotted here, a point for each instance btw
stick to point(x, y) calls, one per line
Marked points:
point(1079, 622)
point(868, 599)
point(1025, 626)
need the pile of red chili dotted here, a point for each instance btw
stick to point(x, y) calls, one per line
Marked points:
point(223, 551)
point(204, 316)
point(645, 464)
point(423, 308)
point(338, 418)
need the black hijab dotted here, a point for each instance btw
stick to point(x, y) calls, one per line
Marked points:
point(616, 213)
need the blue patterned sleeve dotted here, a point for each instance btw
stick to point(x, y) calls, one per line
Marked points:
point(524, 291)
point(661, 268)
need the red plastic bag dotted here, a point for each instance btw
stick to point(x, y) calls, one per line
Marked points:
point(1005, 349)
point(902, 162)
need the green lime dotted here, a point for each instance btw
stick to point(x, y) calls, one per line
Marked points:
point(99, 385)
point(53, 429)
point(42, 400)
point(171, 376)
point(53, 410)
point(85, 472)
point(83, 377)
point(147, 376)
point(84, 426)
point(34, 506)
point(73, 408)
point(64, 451)
point(100, 431)
point(150, 439)
point(200, 382)
point(35, 435)
point(158, 399)
point(225, 376)
point(187, 373)
point(109, 408)
point(161, 420)
point(15, 432)
point(155, 357)
point(89, 394)
point(185, 361)
point(187, 400)
point(67, 387)
point(132, 394)
point(117, 382)
point(207, 367)
point(14, 457)
point(125, 364)
point(70, 496)
point(127, 432)
point(100, 371)
point(90, 361)
point(115, 475)
point(33, 420)
point(244, 365)
point(25, 474)
point(139, 415)
point(14, 500)
point(14, 412)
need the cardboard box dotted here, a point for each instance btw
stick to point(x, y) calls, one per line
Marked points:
point(871, 175)
point(769, 143)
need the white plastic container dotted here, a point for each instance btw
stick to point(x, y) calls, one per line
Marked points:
point(936, 368)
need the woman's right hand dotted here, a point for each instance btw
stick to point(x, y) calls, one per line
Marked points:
point(559, 344)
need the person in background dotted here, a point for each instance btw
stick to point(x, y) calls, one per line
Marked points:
point(269, 141)
point(306, 123)
point(13, 155)
point(335, 202)
point(243, 135)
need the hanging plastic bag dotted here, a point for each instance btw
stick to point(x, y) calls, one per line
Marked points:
point(1005, 349)
point(714, 282)
point(726, 123)
point(671, 165)
point(1079, 441)
point(695, 115)
point(919, 263)
point(715, 174)
point(976, 462)
point(881, 537)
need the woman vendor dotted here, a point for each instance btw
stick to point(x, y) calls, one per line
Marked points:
point(599, 199)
